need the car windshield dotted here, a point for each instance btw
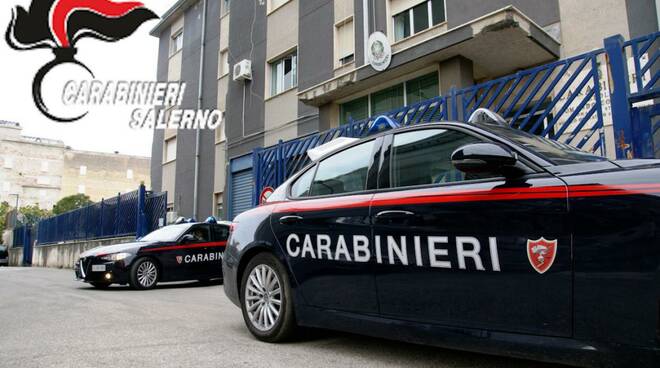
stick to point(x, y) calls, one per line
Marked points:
point(556, 152)
point(167, 233)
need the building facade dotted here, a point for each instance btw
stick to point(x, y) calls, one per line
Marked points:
point(39, 171)
point(310, 71)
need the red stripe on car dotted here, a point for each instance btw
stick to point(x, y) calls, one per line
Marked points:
point(188, 246)
point(446, 195)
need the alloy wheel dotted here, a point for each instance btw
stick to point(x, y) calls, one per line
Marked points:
point(147, 274)
point(263, 297)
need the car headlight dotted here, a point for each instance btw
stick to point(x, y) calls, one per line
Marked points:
point(116, 257)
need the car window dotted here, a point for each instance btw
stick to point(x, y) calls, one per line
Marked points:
point(554, 151)
point(300, 188)
point(344, 172)
point(220, 232)
point(200, 233)
point(423, 157)
point(167, 233)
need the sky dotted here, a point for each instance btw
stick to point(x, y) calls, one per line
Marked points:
point(104, 129)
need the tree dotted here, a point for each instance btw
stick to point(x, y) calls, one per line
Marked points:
point(71, 203)
point(32, 214)
point(4, 209)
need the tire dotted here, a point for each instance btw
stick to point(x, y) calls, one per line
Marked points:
point(144, 274)
point(283, 325)
point(100, 285)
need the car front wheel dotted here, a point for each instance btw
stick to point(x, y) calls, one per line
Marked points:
point(266, 299)
point(144, 274)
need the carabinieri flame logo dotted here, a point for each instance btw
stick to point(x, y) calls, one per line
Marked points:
point(60, 24)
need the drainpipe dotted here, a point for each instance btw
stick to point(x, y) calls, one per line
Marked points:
point(365, 29)
point(199, 107)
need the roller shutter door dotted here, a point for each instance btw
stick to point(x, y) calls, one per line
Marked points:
point(242, 187)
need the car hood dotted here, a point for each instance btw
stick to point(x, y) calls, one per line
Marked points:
point(116, 248)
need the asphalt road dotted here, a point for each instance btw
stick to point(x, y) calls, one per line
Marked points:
point(49, 320)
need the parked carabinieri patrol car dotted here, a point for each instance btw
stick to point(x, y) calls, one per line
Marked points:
point(469, 236)
point(186, 251)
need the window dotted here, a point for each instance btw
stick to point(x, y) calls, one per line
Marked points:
point(418, 18)
point(81, 189)
point(219, 205)
point(44, 166)
point(177, 43)
point(220, 232)
point(223, 63)
point(422, 88)
point(129, 174)
point(387, 99)
point(344, 172)
point(424, 157)
point(169, 153)
point(42, 193)
point(283, 74)
point(391, 98)
point(200, 233)
point(274, 4)
point(556, 152)
point(344, 42)
point(401, 26)
point(43, 180)
point(9, 163)
point(83, 170)
point(220, 134)
point(301, 186)
point(355, 110)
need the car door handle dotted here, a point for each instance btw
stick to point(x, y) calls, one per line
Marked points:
point(290, 220)
point(394, 214)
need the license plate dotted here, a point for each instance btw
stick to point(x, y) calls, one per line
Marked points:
point(98, 268)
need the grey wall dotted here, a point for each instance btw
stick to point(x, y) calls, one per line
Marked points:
point(157, 145)
point(315, 54)
point(186, 138)
point(247, 40)
point(543, 12)
point(642, 17)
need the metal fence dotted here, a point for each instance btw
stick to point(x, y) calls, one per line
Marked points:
point(113, 217)
point(18, 236)
point(566, 100)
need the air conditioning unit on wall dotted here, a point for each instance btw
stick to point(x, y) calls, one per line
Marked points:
point(243, 70)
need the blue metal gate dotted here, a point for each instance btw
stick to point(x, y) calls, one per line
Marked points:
point(570, 100)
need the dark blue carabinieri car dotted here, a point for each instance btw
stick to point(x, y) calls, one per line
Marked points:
point(180, 252)
point(469, 236)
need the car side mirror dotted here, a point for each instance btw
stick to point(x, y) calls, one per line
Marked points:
point(483, 158)
point(188, 238)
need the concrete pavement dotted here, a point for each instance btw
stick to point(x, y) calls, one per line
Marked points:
point(49, 320)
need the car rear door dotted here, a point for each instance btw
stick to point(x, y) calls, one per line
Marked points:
point(452, 248)
point(319, 229)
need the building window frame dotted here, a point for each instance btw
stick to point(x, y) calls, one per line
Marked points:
point(341, 61)
point(276, 68)
point(410, 16)
point(223, 63)
point(8, 163)
point(425, 73)
point(225, 7)
point(272, 8)
point(166, 151)
point(176, 42)
point(221, 133)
